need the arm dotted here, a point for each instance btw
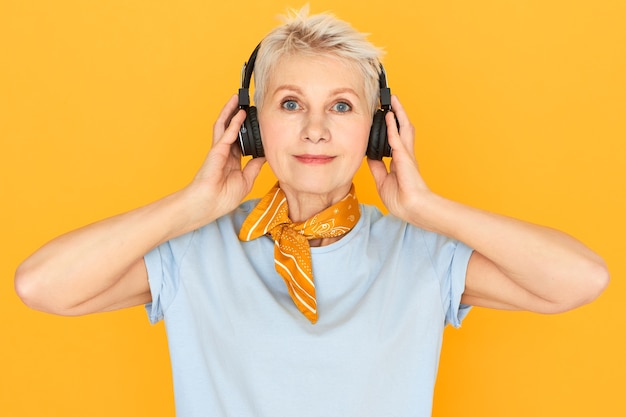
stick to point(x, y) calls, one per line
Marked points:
point(100, 267)
point(516, 265)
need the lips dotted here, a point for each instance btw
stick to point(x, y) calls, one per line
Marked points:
point(314, 159)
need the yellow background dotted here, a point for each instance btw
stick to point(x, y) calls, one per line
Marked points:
point(519, 107)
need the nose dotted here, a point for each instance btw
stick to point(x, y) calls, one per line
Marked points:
point(315, 128)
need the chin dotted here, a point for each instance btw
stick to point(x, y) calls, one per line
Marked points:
point(317, 185)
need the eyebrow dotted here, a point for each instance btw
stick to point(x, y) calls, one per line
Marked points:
point(295, 88)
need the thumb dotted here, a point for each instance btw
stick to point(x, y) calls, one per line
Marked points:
point(252, 170)
point(378, 170)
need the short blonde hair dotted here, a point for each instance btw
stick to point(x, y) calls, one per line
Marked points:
point(320, 34)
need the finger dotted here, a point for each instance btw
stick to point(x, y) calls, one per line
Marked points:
point(406, 130)
point(398, 110)
point(252, 169)
point(378, 170)
point(227, 111)
point(393, 135)
point(230, 135)
point(225, 116)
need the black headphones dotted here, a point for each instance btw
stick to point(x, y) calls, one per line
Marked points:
point(250, 133)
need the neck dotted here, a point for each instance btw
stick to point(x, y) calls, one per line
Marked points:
point(303, 206)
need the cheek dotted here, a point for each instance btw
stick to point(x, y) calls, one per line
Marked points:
point(271, 135)
point(276, 138)
point(359, 137)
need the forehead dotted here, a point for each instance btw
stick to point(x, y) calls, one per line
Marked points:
point(308, 71)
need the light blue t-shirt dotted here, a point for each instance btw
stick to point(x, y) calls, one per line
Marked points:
point(239, 346)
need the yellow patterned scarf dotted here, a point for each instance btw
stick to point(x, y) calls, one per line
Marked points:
point(292, 253)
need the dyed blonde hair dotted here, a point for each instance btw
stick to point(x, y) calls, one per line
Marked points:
point(315, 35)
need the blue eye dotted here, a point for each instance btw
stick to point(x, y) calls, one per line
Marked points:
point(290, 105)
point(342, 107)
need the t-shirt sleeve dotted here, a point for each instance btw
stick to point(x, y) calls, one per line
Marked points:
point(453, 286)
point(163, 265)
point(450, 258)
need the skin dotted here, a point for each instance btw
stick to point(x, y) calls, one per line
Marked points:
point(315, 131)
point(314, 144)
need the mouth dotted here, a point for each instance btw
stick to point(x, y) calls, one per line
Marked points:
point(314, 159)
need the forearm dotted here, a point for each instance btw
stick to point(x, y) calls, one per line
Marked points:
point(90, 261)
point(546, 263)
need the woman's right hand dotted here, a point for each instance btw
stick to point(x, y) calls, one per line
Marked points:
point(221, 183)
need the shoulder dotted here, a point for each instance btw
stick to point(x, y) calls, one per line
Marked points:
point(237, 216)
point(384, 226)
point(387, 229)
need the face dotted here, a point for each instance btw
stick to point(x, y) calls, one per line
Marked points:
point(315, 122)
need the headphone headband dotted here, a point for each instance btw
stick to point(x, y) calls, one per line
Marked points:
point(246, 77)
point(385, 92)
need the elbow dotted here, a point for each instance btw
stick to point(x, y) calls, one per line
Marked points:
point(598, 278)
point(26, 286)
point(31, 289)
point(592, 279)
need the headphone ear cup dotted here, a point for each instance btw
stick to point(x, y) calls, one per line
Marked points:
point(250, 135)
point(378, 146)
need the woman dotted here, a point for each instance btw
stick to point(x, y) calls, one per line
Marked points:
point(305, 302)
